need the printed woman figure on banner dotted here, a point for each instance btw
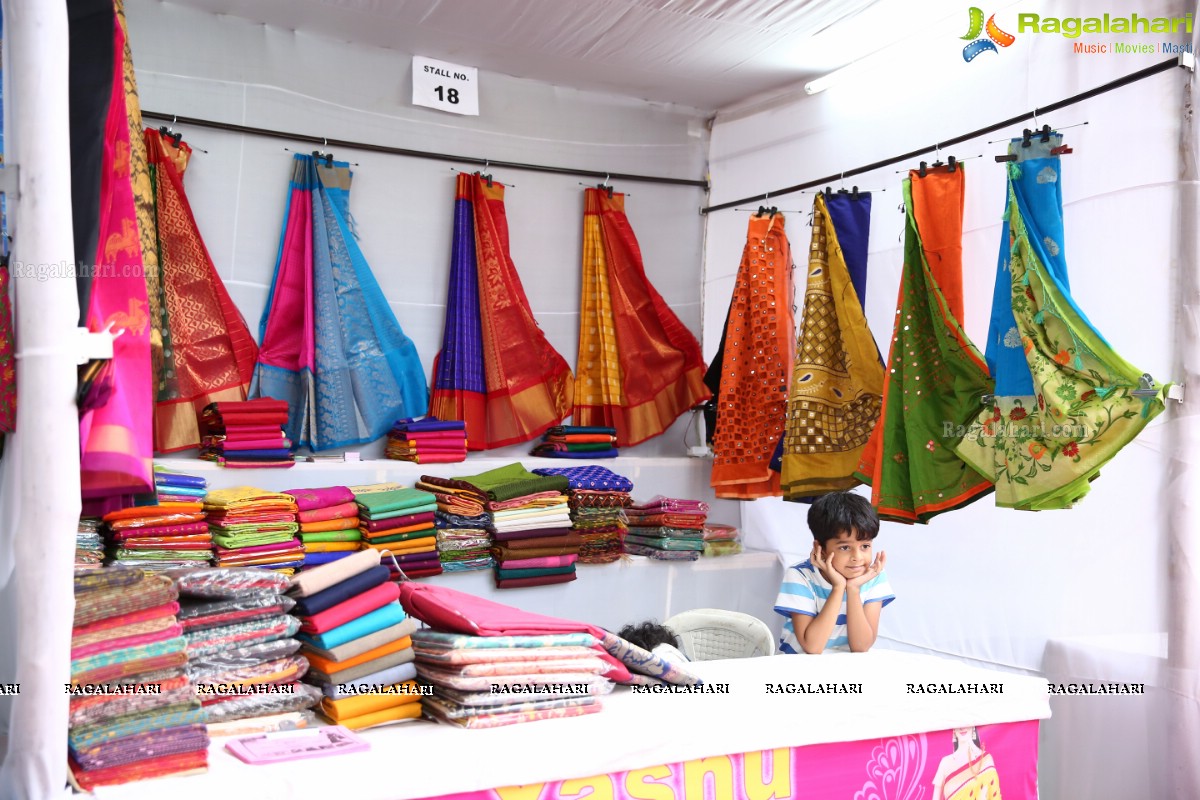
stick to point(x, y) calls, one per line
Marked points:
point(968, 773)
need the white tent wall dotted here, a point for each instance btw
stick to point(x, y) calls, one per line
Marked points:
point(191, 63)
point(1077, 594)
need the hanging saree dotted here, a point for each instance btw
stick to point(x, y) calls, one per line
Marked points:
point(496, 370)
point(331, 346)
point(8, 364)
point(935, 377)
point(837, 381)
point(115, 437)
point(208, 355)
point(851, 218)
point(755, 362)
point(1065, 400)
point(639, 368)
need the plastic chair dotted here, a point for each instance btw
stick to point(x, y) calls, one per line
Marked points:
point(708, 634)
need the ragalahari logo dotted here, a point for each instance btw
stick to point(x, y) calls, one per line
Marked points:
point(995, 36)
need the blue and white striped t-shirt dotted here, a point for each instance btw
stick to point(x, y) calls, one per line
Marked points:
point(805, 590)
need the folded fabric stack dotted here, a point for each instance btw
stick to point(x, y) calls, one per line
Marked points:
point(465, 672)
point(400, 521)
point(133, 712)
point(667, 528)
point(721, 539)
point(247, 433)
point(578, 441)
point(169, 534)
point(530, 523)
point(328, 520)
point(357, 640)
point(176, 487)
point(428, 441)
point(598, 497)
point(89, 547)
point(242, 654)
point(463, 541)
point(254, 528)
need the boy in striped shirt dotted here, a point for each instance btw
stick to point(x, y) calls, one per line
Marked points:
point(833, 600)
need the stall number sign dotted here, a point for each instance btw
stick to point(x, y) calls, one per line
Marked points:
point(446, 87)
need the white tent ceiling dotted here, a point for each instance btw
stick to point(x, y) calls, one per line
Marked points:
point(701, 53)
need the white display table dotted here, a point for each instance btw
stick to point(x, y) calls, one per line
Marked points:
point(421, 759)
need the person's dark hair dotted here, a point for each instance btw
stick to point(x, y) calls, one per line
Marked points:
point(842, 511)
point(648, 635)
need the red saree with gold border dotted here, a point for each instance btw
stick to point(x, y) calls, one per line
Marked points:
point(639, 367)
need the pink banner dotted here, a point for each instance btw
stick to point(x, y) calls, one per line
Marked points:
point(980, 763)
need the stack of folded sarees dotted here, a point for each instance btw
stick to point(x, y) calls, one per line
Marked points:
point(133, 711)
point(172, 533)
point(463, 541)
point(247, 433)
point(356, 637)
point(721, 539)
point(428, 441)
point(242, 654)
point(598, 497)
point(531, 526)
point(254, 528)
point(328, 520)
point(89, 547)
point(491, 681)
point(401, 522)
point(578, 441)
point(667, 528)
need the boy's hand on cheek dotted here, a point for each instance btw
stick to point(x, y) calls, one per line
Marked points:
point(819, 561)
point(870, 572)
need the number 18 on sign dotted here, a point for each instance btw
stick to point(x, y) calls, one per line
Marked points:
point(445, 86)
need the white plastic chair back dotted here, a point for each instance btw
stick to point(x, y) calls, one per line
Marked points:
point(709, 634)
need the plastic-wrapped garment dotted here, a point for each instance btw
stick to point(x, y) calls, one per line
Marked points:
point(227, 582)
point(199, 616)
point(280, 700)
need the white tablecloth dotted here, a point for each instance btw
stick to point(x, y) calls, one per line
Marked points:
point(420, 759)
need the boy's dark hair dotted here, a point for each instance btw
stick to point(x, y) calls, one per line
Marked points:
point(648, 635)
point(842, 511)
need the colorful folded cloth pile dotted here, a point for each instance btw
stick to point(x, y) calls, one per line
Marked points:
point(176, 487)
point(242, 654)
point(133, 712)
point(667, 528)
point(356, 637)
point(490, 681)
point(247, 434)
point(165, 534)
point(428, 441)
point(89, 547)
point(463, 540)
point(401, 522)
point(254, 528)
point(586, 442)
point(721, 539)
point(598, 497)
point(531, 526)
point(328, 520)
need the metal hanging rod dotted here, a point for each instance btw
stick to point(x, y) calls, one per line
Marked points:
point(1186, 61)
point(402, 151)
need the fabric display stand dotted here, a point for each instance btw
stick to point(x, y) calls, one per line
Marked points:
point(247, 434)
point(357, 639)
point(666, 528)
point(254, 527)
point(241, 651)
point(170, 533)
point(399, 523)
point(126, 632)
point(428, 441)
point(597, 497)
point(583, 442)
point(328, 520)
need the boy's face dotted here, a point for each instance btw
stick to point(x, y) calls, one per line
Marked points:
point(848, 555)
